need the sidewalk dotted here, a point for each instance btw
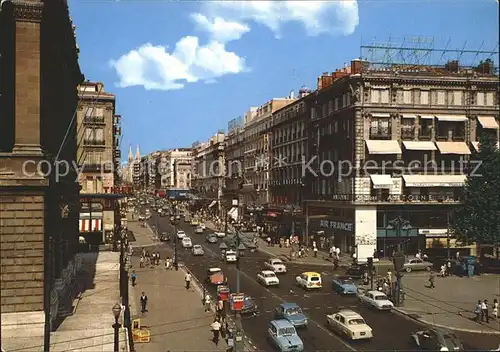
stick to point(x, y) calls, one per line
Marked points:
point(451, 304)
point(176, 318)
point(89, 329)
point(146, 237)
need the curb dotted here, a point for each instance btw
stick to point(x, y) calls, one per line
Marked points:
point(426, 322)
point(196, 284)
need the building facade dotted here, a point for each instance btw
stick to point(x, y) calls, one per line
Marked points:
point(39, 206)
point(388, 144)
point(176, 173)
point(96, 158)
point(234, 160)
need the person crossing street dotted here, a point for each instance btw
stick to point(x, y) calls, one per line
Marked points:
point(187, 280)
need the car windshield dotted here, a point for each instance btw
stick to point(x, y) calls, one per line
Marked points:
point(287, 331)
point(197, 246)
point(346, 282)
point(269, 275)
point(314, 278)
point(357, 321)
point(274, 262)
point(293, 311)
point(381, 298)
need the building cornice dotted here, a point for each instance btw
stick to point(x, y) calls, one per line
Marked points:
point(24, 11)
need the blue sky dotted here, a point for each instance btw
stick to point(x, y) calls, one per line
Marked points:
point(182, 70)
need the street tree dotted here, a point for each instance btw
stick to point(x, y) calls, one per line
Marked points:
point(478, 218)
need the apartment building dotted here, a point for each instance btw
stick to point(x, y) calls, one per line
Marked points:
point(256, 146)
point(38, 210)
point(209, 169)
point(176, 169)
point(373, 133)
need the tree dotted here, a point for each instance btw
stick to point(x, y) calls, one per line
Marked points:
point(478, 218)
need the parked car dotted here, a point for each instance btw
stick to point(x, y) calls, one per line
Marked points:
point(220, 234)
point(309, 280)
point(437, 339)
point(275, 265)
point(283, 336)
point(198, 230)
point(211, 238)
point(291, 312)
point(268, 278)
point(165, 237)
point(349, 324)
point(344, 286)
point(417, 264)
point(230, 256)
point(181, 234)
point(186, 242)
point(375, 299)
point(215, 276)
point(197, 250)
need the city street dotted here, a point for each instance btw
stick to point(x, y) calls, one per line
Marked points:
point(391, 330)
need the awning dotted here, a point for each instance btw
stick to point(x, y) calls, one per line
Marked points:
point(476, 145)
point(86, 225)
point(380, 115)
point(427, 117)
point(212, 204)
point(452, 118)
point(95, 215)
point(453, 148)
point(434, 180)
point(381, 181)
point(233, 213)
point(383, 147)
point(408, 116)
point(420, 145)
point(488, 122)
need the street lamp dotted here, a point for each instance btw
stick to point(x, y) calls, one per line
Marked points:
point(239, 345)
point(117, 309)
point(399, 224)
point(174, 222)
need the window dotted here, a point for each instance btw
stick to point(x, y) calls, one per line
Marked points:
point(457, 97)
point(407, 98)
point(379, 127)
point(336, 107)
point(89, 111)
point(99, 112)
point(89, 134)
point(344, 100)
point(424, 97)
point(384, 96)
point(99, 134)
point(375, 96)
point(480, 99)
point(441, 97)
point(490, 99)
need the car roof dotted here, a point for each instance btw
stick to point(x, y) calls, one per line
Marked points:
point(311, 273)
point(267, 272)
point(282, 323)
point(349, 313)
point(287, 305)
point(197, 245)
point(376, 293)
point(275, 260)
point(214, 269)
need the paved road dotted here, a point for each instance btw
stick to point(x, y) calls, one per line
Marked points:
point(391, 331)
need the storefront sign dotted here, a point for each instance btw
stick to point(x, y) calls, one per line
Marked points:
point(402, 198)
point(119, 190)
point(336, 225)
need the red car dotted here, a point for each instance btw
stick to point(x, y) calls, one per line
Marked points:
point(215, 276)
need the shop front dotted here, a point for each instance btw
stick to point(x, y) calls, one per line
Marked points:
point(332, 231)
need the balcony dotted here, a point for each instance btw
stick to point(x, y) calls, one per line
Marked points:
point(408, 134)
point(94, 120)
point(93, 143)
point(450, 138)
point(425, 136)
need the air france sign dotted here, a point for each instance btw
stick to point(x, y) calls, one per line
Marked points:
point(337, 225)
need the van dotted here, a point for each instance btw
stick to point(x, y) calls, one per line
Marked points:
point(309, 280)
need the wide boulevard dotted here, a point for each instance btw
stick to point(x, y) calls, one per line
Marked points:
point(391, 330)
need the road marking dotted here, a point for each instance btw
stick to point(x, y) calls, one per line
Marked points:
point(321, 327)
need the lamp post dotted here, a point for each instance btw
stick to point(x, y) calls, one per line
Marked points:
point(399, 224)
point(174, 222)
point(117, 309)
point(239, 344)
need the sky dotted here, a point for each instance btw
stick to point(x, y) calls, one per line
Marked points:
point(182, 70)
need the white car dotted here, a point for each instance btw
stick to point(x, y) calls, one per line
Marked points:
point(186, 242)
point(268, 278)
point(220, 234)
point(230, 256)
point(375, 299)
point(203, 226)
point(142, 218)
point(349, 324)
point(198, 250)
point(198, 230)
point(181, 234)
point(275, 265)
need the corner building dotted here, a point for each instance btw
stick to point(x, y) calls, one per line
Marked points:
point(384, 125)
point(39, 212)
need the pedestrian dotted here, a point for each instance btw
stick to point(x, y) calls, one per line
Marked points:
point(133, 277)
point(331, 252)
point(220, 308)
point(337, 252)
point(141, 263)
point(448, 268)
point(187, 280)
point(431, 280)
point(157, 258)
point(215, 326)
point(144, 303)
point(495, 309)
point(268, 240)
point(315, 250)
point(335, 263)
point(442, 272)
point(207, 302)
point(484, 311)
point(478, 311)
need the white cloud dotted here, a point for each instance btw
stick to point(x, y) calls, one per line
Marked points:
point(155, 68)
point(219, 29)
point(317, 17)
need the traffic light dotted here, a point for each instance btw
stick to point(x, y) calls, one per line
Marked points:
point(399, 262)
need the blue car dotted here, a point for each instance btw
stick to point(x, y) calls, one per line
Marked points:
point(282, 334)
point(291, 312)
point(344, 286)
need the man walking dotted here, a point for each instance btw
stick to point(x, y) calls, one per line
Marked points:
point(431, 280)
point(484, 311)
point(216, 331)
point(144, 302)
point(187, 279)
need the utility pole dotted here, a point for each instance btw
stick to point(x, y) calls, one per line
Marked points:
point(239, 344)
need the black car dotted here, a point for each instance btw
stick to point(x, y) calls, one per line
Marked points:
point(165, 237)
point(356, 272)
